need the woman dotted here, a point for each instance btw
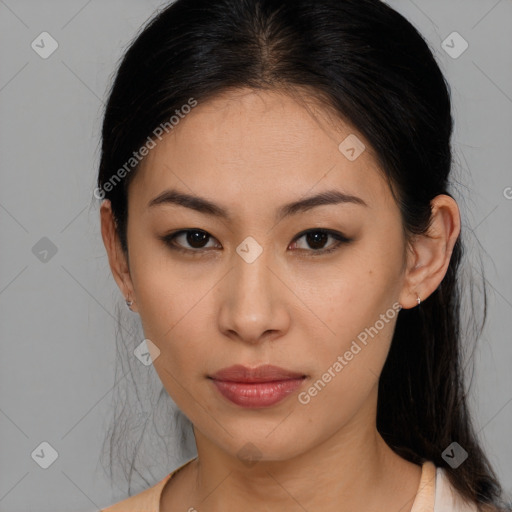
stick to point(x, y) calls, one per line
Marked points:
point(274, 177)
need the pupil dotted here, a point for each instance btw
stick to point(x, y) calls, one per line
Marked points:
point(196, 237)
point(314, 240)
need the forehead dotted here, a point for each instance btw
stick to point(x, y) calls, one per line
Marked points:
point(264, 146)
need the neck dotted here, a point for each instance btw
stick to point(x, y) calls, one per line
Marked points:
point(354, 469)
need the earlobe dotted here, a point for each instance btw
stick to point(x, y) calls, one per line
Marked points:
point(116, 257)
point(431, 252)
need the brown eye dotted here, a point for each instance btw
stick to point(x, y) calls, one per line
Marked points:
point(316, 239)
point(190, 239)
point(196, 240)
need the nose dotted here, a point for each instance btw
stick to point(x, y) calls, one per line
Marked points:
point(253, 305)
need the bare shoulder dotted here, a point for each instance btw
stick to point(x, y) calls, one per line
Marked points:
point(147, 500)
point(134, 503)
point(180, 487)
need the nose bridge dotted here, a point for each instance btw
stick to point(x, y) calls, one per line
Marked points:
point(251, 305)
point(252, 276)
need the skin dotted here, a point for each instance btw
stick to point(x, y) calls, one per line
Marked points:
point(251, 152)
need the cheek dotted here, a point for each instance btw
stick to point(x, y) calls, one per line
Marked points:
point(357, 308)
point(178, 334)
point(175, 310)
point(348, 369)
point(164, 290)
point(351, 294)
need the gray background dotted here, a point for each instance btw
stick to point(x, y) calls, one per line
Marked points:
point(58, 310)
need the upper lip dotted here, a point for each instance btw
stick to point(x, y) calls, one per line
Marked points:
point(264, 373)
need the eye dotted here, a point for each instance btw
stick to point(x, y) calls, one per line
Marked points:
point(197, 240)
point(317, 238)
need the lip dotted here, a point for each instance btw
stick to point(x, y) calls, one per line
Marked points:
point(263, 373)
point(258, 387)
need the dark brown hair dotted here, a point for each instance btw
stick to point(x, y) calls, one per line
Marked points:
point(366, 62)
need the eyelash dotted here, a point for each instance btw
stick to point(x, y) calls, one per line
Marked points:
point(341, 239)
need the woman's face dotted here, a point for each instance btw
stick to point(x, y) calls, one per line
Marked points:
point(249, 288)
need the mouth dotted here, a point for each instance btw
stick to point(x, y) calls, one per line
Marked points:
point(259, 387)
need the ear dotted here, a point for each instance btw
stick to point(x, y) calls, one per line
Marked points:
point(116, 257)
point(428, 255)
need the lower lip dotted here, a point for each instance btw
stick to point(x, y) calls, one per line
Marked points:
point(257, 394)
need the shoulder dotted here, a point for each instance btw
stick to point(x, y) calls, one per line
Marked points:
point(448, 499)
point(147, 500)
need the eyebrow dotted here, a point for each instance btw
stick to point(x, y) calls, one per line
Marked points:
point(207, 207)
